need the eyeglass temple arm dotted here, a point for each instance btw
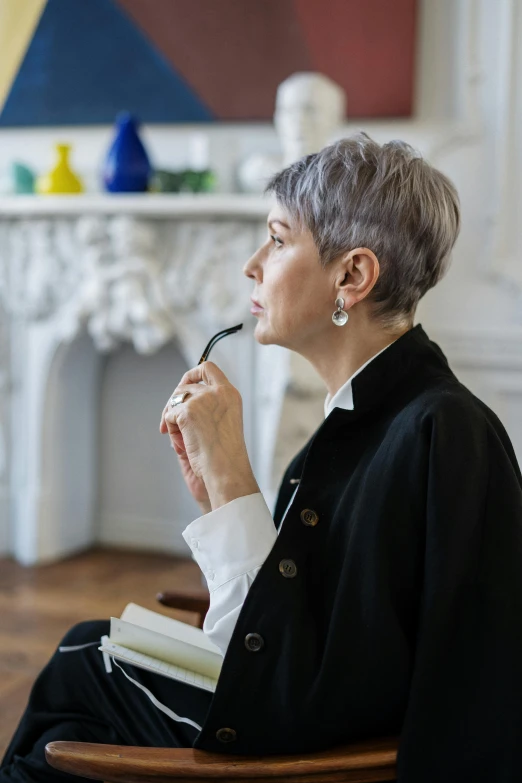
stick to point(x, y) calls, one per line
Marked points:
point(216, 338)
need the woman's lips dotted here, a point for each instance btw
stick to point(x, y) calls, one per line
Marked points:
point(256, 307)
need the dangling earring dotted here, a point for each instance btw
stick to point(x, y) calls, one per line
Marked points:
point(340, 317)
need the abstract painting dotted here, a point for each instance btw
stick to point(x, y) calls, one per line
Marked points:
point(200, 61)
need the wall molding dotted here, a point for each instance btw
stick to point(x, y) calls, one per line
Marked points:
point(499, 350)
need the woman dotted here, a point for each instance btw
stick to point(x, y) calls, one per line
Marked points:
point(385, 595)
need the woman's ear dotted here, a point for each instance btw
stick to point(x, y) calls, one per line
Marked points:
point(348, 273)
point(359, 272)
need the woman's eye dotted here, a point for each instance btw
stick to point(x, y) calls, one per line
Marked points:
point(276, 240)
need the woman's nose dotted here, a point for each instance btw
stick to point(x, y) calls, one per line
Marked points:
point(252, 265)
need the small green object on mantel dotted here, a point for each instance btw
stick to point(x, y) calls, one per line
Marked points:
point(184, 181)
point(22, 178)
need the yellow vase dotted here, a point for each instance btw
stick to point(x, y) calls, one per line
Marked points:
point(61, 179)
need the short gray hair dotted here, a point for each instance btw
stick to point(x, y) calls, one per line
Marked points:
point(358, 193)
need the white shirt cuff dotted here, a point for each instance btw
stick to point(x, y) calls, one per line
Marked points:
point(233, 539)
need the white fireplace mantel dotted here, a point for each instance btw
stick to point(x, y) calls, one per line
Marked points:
point(124, 266)
point(81, 276)
point(160, 205)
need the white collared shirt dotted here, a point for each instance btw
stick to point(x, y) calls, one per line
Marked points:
point(343, 397)
point(231, 543)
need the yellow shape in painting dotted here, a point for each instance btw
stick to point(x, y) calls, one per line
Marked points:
point(61, 179)
point(18, 21)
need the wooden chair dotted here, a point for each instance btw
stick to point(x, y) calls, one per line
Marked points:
point(365, 762)
point(197, 602)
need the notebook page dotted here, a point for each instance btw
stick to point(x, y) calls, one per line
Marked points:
point(166, 648)
point(158, 667)
point(154, 621)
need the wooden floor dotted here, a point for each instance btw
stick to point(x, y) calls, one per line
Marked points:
point(38, 605)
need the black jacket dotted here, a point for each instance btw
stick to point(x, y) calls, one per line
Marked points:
point(398, 610)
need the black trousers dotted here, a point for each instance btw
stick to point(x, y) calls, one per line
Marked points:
point(75, 698)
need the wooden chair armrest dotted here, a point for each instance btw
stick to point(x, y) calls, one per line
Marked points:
point(361, 763)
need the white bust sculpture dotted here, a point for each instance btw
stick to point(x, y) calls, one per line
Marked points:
point(309, 109)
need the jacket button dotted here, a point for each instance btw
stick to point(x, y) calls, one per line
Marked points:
point(288, 568)
point(254, 642)
point(226, 735)
point(309, 517)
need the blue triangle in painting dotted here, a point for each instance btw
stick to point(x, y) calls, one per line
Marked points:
point(88, 61)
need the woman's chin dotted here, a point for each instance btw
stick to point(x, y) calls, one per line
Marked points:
point(264, 335)
point(262, 332)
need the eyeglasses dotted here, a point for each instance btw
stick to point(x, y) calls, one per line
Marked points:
point(216, 338)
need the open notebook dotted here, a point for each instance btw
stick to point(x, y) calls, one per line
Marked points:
point(163, 645)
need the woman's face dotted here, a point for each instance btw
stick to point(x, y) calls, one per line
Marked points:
point(296, 294)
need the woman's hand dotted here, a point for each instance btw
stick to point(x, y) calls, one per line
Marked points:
point(195, 484)
point(207, 433)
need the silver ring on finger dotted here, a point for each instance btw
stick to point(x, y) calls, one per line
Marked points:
point(177, 399)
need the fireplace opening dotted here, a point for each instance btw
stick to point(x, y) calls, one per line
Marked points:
point(107, 474)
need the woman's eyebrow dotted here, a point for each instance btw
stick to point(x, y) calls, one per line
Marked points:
point(270, 223)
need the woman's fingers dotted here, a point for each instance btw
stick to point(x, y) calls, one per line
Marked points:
point(163, 425)
point(168, 407)
point(171, 412)
point(174, 432)
point(177, 441)
point(208, 372)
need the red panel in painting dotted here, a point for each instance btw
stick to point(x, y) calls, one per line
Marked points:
point(233, 53)
point(367, 47)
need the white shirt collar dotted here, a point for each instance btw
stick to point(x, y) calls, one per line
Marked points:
point(343, 397)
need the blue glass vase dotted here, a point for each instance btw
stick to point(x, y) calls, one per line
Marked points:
point(127, 168)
